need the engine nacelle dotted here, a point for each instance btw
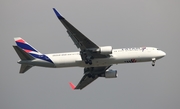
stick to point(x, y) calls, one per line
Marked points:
point(105, 50)
point(111, 73)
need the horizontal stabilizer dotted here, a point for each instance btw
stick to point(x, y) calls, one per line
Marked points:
point(24, 68)
point(22, 54)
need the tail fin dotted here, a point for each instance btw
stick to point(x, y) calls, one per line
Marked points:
point(28, 49)
point(25, 52)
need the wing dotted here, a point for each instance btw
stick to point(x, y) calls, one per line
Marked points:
point(86, 80)
point(78, 38)
point(87, 53)
point(91, 74)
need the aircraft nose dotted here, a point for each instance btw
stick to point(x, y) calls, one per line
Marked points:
point(163, 53)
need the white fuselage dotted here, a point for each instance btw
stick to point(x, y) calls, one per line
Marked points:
point(124, 55)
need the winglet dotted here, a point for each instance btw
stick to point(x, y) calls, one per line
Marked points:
point(72, 85)
point(57, 14)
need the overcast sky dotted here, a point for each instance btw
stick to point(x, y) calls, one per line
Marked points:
point(119, 23)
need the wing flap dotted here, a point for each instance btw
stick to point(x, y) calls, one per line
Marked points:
point(74, 39)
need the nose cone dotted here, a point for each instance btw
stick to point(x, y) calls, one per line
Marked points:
point(162, 53)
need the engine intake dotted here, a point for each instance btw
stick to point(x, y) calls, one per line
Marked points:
point(111, 74)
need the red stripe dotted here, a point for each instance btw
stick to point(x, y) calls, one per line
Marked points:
point(20, 40)
point(27, 51)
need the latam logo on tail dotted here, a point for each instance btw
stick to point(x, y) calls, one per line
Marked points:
point(31, 50)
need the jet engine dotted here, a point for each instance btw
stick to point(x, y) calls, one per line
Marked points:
point(105, 50)
point(111, 73)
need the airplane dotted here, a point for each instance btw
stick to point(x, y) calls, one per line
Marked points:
point(96, 60)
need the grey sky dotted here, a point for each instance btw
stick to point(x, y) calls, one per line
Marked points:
point(120, 23)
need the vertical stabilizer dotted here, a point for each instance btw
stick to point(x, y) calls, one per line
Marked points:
point(29, 51)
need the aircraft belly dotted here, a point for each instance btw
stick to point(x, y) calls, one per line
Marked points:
point(66, 61)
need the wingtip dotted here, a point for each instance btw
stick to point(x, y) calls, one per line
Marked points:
point(72, 85)
point(58, 14)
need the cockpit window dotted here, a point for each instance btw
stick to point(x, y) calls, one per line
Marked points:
point(158, 49)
